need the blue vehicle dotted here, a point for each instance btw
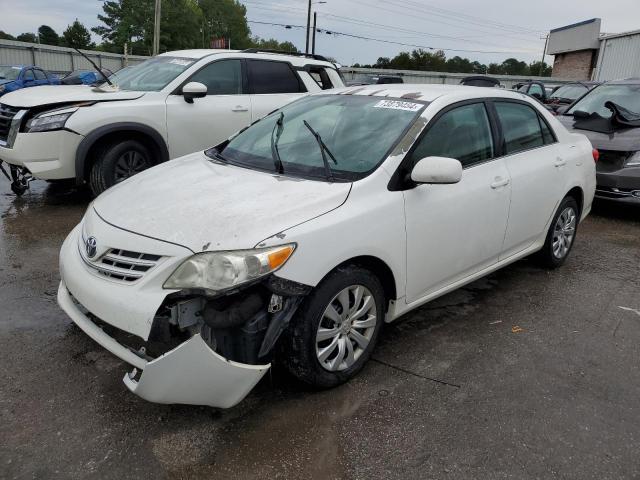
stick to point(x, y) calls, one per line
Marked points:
point(85, 77)
point(15, 77)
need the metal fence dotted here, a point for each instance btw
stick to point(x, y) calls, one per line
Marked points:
point(60, 60)
point(414, 76)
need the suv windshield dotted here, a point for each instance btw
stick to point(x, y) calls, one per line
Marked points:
point(569, 92)
point(8, 72)
point(357, 131)
point(627, 96)
point(151, 75)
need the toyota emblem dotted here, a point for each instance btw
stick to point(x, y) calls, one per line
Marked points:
point(92, 246)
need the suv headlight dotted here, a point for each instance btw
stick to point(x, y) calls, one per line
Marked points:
point(219, 271)
point(48, 121)
point(633, 160)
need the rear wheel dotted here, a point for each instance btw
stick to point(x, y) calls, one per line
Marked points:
point(117, 162)
point(336, 328)
point(561, 234)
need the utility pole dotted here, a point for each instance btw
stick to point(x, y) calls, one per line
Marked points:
point(306, 49)
point(544, 52)
point(313, 37)
point(156, 29)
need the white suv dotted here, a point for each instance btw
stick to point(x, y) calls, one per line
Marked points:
point(170, 105)
point(307, 231)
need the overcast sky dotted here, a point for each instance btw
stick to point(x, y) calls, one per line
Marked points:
point(484, 30)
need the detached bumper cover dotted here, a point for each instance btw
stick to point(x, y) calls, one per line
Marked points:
point(191, 373)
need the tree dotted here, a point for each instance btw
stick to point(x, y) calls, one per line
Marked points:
point(6, 36)
point(77, 36)
point(48, 35)
point(512, 66)
point(540, 69)
point(228, 19)
point(27, 37)
point(273, 44)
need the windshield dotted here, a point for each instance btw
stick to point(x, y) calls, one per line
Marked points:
point(357, 131)
point(569, 92)
point(8, 72)
point(151, 75)
point(627, 96)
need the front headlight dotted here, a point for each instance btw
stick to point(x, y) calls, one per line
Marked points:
point(219, 271)
point(48, 121)
point(633, 160)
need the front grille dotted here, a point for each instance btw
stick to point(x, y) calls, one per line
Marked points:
point(611, 160)
point(6, 116)
point(122, 265)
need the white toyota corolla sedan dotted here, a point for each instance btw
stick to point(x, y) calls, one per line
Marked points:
point(298, 238)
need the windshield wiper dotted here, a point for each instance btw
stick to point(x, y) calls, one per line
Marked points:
point(96, 67)
point(275, 136)
point(324, 150)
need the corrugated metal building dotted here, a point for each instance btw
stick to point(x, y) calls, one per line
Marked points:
point(618, 56)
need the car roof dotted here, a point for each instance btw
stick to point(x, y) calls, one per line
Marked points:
point(423, 92)
point(199, 53)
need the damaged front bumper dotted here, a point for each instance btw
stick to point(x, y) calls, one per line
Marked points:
point(192, 373)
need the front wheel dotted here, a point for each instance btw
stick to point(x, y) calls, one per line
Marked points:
point(561, 234)
point(117, 162)
point(336, 328)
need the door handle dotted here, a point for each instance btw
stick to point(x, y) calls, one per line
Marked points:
point(500, 182)
point(240, 108)
point(560, 162)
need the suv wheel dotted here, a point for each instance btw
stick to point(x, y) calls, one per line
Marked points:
point(561, 234)
point(336, 328)
point(117, 162)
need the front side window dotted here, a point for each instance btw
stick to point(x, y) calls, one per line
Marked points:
point(28, 75)
point(359, 131)
point(627, 96)
point(535, 88)
point(40, 75)
point(272, 77)
point(8, 72)
point(151, 75)
point(221, 78)
point(463, 133)
point(520, 127)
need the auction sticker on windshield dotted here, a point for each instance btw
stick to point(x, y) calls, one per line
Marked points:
point(398, 105)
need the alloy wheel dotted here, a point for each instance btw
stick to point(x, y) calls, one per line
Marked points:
point(346, 328)
point(130, 163)
point(564, 232)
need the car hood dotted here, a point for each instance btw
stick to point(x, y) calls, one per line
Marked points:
point(627, 140)
point(204, 205)
point(54, 94)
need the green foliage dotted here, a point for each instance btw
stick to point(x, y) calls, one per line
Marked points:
point(273, 44)
point(6, 36)
point(228, 19)
point(77, 36)
point(27, 37)
point(437, 62)
point(48, 35)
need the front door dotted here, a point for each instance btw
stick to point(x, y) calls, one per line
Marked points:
point(454, 231)
point(211, 119)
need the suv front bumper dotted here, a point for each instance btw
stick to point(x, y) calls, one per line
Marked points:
point(47, 155)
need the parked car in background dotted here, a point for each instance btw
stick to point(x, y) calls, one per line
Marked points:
point(567, 94)
point(85, 77)
point(480, 81)
point(168, 106)
point(16, 77)
point(536, 90)
point(609, 115)
point(195, 271)
point(376, 80)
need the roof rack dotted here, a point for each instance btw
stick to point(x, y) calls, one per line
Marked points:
point(283, 52)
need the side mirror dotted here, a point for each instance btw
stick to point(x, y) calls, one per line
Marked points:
point(437, 170)
point(193, 90)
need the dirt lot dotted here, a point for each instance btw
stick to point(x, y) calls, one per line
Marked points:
point(525, 374)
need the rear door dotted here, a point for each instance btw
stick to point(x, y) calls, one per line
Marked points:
point(41, 78)
point(212, 119)
point(537, 167)
point(272, 84)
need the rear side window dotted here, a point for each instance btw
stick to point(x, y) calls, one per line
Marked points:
point(321, 77)
point(463, 133)
point(535, 88)
point(221, 78)
point(40, 75)
point(272, 77)
point(520, 127)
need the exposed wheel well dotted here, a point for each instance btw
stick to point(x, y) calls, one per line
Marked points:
point(380, 269)
point(577, 194)
point(86, 157)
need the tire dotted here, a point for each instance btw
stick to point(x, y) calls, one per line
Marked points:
point(555, 250)
point(117, 162)
point(301, 350)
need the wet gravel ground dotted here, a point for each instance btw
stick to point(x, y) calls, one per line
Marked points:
point(525, 374)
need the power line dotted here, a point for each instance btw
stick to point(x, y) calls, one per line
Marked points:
point(362, 37)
